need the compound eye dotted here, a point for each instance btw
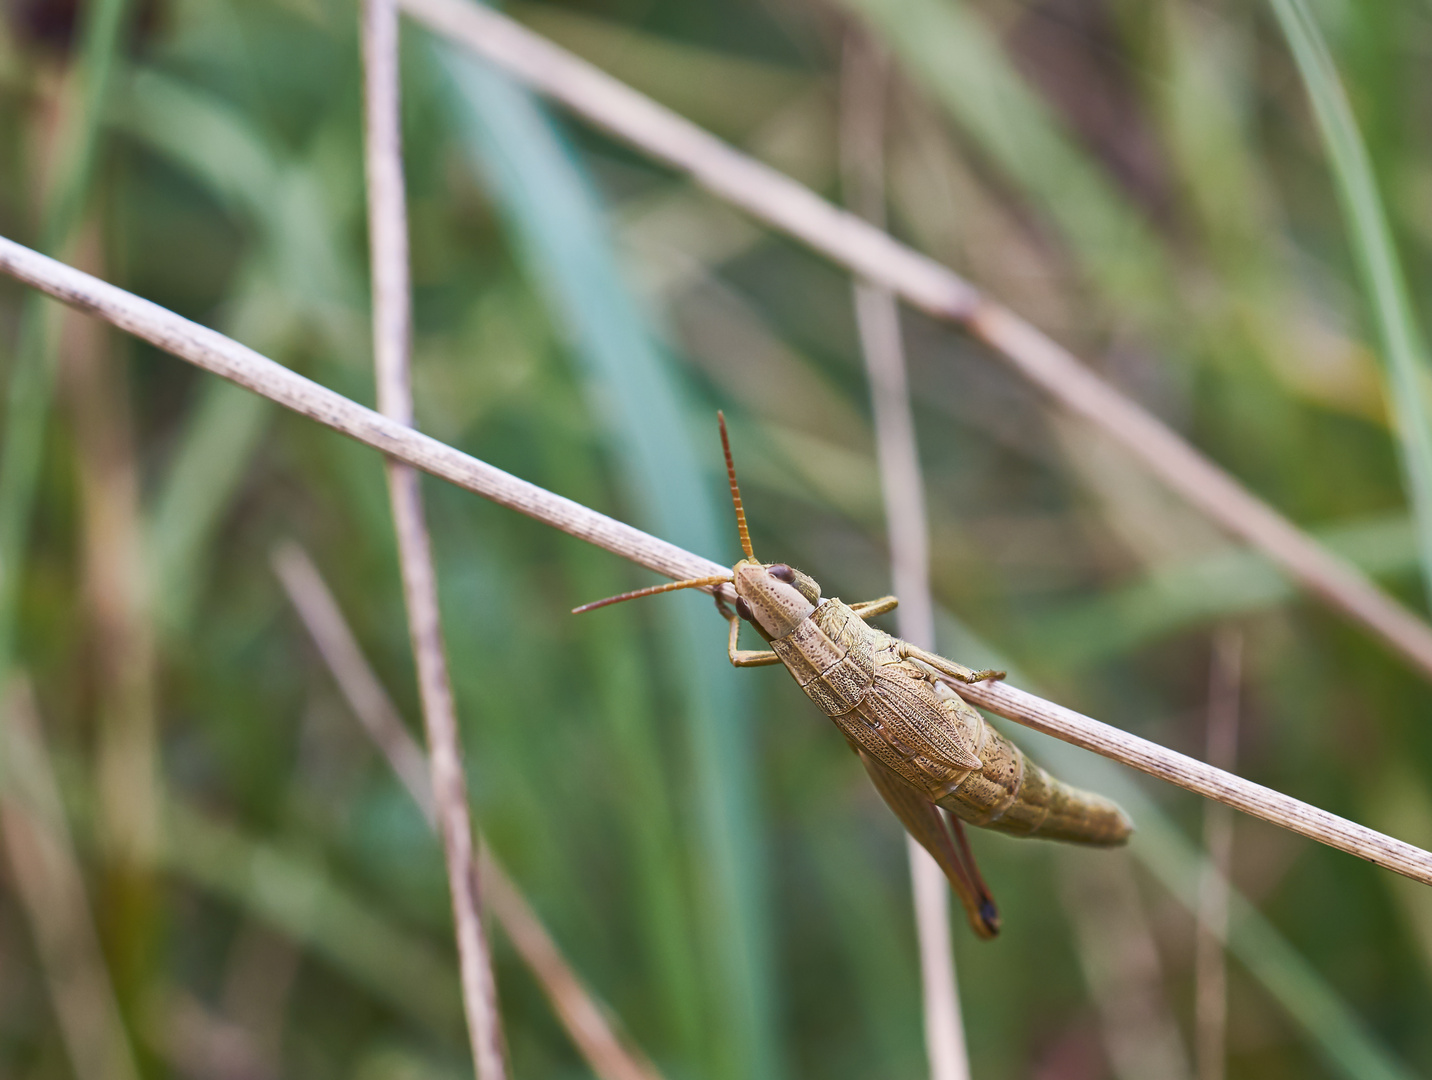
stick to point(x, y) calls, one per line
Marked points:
point(781, 572)
point(743, 609)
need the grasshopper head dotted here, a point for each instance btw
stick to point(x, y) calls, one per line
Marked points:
point(773, 597)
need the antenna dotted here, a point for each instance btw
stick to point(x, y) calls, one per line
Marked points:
point(735, 489)
point(689, 583)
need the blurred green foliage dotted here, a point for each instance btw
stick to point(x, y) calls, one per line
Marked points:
point(1148, 183)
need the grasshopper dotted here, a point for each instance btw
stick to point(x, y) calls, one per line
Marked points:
point(898, 706)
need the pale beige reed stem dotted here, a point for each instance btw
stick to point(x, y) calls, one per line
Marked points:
point(339, 648)
point(1196, 776)
point(216, 353)
point(117, 594)
point(579, 1012)
point(873, 255)
point(1210, 958)
point(392, 344)
point(863, 79)
point(225, 357)
point(584, 1019)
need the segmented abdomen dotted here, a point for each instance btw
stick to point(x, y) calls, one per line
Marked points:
point(932, 738)
point(1011, 794)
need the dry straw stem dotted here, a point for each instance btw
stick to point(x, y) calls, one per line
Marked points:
point(216, 353)
point(320, 613)
point(872, 254)
point(583, 1018)
point(392, 334)
point(1255, 799)
point(239, 364)
point(580, 1014)
point(863, 79)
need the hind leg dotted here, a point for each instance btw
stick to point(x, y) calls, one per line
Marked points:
point(868, 609)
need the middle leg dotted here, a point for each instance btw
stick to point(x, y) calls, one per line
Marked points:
point(947, 667)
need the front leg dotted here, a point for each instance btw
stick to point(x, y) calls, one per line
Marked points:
point(747, 657)
point(946, 667)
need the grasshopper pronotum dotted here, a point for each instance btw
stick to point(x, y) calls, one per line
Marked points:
point(898, 708)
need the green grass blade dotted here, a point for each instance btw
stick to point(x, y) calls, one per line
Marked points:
point(299, 899)
point(293, 276)
point(102, 27)
point(32, 374)
point(1341, 1037)
point(294, 208)
point(203, 135)
point(623, 681)
point(1237, 581)
point(947, 47)
point(555, 221)
point(1402, 352)
point(214, 453)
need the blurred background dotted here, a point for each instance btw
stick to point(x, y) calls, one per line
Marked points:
point(1144, 181)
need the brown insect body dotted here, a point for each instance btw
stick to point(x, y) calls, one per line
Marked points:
point(901, 711)
point(897, 705)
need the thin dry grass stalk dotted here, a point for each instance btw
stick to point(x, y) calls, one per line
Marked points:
point(198, 1041)
point(586, 1023)
point(863, 79)
point(872, 254)
point(239, 364)
point(51, 890)
point(1196, 776)
point(216, 353)
point(360, 686)
point(392, 334)
point(117, 597)
point(1210, 958)
point(117, 592)
point(609, 1057)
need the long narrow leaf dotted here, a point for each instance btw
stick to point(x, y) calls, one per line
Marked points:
point(556, 222)
point(948, 48)
point(1404, 358)
point(1224, 585)
point(32, 374)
